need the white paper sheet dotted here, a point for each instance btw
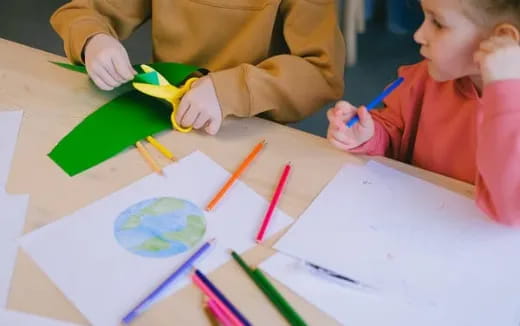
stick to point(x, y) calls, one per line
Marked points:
point(14, 318)
point(415, 240)
point(12, 217)
point(9, 126)
point(347, 306)
point(80, 254)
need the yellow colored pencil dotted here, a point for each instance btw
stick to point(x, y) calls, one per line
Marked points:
point(148, 158)
point(161, 148)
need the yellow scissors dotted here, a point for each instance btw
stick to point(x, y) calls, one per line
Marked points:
point(164, 90)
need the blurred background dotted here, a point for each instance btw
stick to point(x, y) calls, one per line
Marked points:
point(385, 44)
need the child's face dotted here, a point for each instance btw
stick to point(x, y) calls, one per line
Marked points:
point(448, 40)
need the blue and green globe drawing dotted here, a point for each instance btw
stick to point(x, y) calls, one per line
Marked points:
point(160, 227)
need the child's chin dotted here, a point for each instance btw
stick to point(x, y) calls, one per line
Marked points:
point(436, 75)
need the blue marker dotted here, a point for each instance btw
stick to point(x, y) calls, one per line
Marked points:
point(185, 267)
point(378, 99)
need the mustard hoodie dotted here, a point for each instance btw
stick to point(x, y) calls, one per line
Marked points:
point(283, 58)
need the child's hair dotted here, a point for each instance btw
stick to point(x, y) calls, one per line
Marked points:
point(490, 12)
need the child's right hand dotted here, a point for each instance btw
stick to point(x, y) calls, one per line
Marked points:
point(107, 62)
point(346, 138)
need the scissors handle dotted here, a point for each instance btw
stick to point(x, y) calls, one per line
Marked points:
point(176, 103)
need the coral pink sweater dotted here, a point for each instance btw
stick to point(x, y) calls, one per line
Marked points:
point(445, 127)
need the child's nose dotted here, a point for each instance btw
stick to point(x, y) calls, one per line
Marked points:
point(418, 36)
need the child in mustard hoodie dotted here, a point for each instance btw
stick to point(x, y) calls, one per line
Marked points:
point(282, 58)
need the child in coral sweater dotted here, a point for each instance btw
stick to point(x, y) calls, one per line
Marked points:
point(458, 111)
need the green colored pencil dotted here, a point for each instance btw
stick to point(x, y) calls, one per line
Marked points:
point(295, 318)
point(270, 291)
point(242, 263)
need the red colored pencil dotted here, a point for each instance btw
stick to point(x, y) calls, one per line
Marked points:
point(274, 202)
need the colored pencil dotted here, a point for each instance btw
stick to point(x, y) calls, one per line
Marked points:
point(274, 201)
point(183, 268)
point(234, 177)
point(259, 284)
point(222, 298)
point(148, 158)
point(219, 314)
point(242, 263)
point(378, 99)
point(230, 315)
point(293, 317)
point(213, 320)
point(161, 148)
point(270, 292)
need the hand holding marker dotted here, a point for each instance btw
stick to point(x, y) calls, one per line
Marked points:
point(378, 99)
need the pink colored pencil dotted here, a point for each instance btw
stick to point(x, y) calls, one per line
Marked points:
point(218, 313)
point(228, 313)
point(274, 202)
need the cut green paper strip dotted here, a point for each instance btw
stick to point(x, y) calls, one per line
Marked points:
point(109, 130)
point(71, 67)
point(119, 123)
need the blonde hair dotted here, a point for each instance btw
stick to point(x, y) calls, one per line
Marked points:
point(491, 12)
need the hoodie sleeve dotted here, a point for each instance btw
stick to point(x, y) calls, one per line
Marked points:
point(289, 87)
point(78, 20)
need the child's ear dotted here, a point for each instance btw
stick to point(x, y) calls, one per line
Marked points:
point(507, 29)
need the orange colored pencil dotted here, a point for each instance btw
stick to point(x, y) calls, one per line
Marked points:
point(148, 158)
point(234, 177)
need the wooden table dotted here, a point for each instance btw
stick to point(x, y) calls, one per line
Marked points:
point(54, 100)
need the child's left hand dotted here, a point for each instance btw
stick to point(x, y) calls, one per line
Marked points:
point(499, 59)
point(200, 108)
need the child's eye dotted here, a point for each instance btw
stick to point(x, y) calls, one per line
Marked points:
point(436, 23)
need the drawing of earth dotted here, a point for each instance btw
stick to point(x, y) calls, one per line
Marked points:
point(160, 227)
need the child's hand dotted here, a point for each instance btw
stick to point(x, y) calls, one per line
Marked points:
point(346, 138)
point(200, 107)
point(499, 59)
point(107, 62)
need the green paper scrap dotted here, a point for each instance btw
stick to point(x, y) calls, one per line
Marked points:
point(109, 130)
point(119, 123)
point(77, 68)
point(175, 73)
point(147, 78)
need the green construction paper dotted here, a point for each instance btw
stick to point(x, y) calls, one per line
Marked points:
point(77, 68)
point(175, 73)
point(119, 123)
point(109, 130)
